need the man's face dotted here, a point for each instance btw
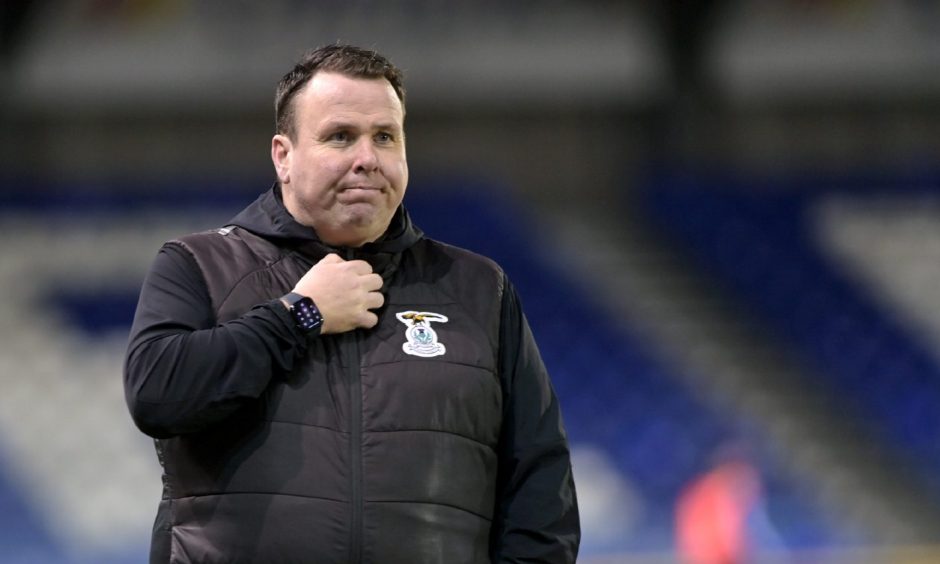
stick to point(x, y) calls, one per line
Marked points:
point(345, 173)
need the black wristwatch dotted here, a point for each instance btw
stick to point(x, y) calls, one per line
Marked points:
point(305, 313)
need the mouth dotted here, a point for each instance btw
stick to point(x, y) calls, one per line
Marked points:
point(360, 192)
point(361, 188)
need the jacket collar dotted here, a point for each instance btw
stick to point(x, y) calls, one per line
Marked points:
point(268, 218)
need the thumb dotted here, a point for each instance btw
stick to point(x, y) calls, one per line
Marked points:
point(331, 258)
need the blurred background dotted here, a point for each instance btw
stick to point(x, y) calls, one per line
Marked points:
point(723, 218)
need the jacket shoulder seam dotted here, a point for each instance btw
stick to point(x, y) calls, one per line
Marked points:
point(268, 262)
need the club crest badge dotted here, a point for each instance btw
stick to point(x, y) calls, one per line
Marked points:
point(421, 338)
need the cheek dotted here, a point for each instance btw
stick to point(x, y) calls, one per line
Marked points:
point(399, 172)
point(329, 167)
point(317, 173)
point(404, 176)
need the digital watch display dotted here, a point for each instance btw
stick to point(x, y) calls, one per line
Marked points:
point(305, 312)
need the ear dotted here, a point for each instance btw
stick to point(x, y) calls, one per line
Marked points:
point(281, 151)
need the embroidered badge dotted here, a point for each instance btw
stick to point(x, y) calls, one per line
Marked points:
point(422, 340)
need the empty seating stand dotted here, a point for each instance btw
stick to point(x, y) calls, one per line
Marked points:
point(758, 237)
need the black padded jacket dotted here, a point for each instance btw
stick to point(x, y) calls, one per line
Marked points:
point(433, 437)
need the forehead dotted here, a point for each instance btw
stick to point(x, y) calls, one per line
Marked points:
point(328, 94)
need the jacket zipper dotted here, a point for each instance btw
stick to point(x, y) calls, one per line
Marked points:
point(355, 439)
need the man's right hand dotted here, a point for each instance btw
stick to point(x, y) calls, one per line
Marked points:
point(344, 292)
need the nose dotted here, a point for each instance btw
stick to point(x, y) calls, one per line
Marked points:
point(366, 159)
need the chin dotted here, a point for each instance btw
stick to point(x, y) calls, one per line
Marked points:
point(358, 233)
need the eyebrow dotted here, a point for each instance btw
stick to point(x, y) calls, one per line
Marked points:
point(338, 125)
point(388, 126)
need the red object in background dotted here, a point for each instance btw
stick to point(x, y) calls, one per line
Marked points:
point(712, 513)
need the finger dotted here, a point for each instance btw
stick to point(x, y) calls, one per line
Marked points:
point(368, 320)
point(360, 266)
point(371, 282)
point(374, 300)
point(331, 258)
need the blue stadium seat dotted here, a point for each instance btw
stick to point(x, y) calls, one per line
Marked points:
point(761, 245)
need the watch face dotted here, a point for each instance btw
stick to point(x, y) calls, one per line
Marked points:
point(306, 314)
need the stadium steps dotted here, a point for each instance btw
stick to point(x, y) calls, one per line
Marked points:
point(717, 349)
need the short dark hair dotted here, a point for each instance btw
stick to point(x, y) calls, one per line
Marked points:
point(343, 59)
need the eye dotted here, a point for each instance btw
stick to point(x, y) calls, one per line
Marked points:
point(339, 136)
point(384, 138)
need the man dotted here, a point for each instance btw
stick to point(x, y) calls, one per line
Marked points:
point(325, 384)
